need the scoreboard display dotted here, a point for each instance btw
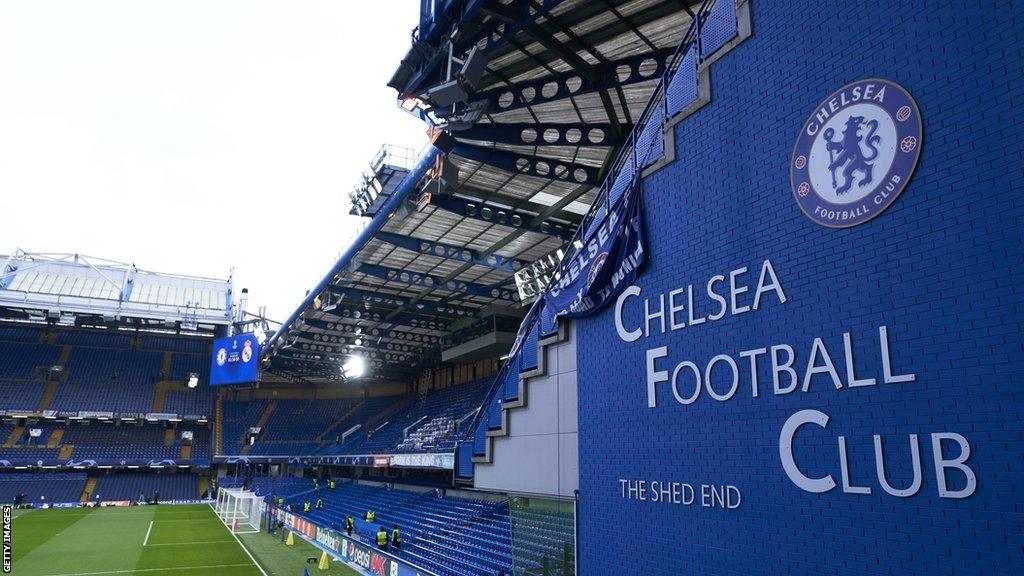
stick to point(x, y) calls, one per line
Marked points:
point(235, 360)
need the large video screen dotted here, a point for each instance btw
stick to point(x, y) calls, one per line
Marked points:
point(235, 360)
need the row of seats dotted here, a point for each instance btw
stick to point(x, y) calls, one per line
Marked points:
point(103, 339)
point(129, 486)
point(103, 371)
point(21, 394)
point(432, 423)
point(42, 487)
point(105, 441)
point(448, 535)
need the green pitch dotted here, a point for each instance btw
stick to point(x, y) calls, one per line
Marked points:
point(150, 541)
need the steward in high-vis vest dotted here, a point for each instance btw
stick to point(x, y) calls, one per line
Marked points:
point(330, 484)
point(396, 538)
point(350, 524)
point(382, 538)
point(371, 515)
point(319, 503)
point(305, 507)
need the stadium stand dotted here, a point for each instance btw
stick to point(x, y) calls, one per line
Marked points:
point(238, 416)
point(20, 360)
point(431, 422)
point(42, 486)
point(109, 380)
point(453, 535)
point(21, 394)
point(128, 486)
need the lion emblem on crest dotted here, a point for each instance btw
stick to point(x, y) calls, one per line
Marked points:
point(848, 151)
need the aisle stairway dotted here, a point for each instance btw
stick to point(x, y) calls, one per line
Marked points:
point(90, 485)
point(271, 406)
point(719, 26)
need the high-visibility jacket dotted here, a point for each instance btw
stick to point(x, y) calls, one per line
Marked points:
point(371, 516)
point(350, 523)
point(330, 484)
point(305, 507)
point(382, 538)
point(319, 503)
point(396, 537)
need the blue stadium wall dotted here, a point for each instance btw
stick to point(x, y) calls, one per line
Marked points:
point(941, 270)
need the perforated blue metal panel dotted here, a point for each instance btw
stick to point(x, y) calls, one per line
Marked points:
point(682, 89)
point(529, 352)
point(622, 180)
point(719, 28)
point(651, 144)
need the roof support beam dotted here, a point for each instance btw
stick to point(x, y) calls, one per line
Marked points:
point(391, 301)
point(353, 315)
point(450, 252)
point(429, 281)
point(498, 215)
point(611, 75)
point(547, 134)
point(538, 166)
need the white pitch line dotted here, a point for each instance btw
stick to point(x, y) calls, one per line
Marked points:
point(152, 570)
point(148, 530)
point(191, 543)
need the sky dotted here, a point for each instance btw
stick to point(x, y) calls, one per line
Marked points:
point(193, 137)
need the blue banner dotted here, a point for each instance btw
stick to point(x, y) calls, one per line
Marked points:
point(612, 257)
point(235, 360)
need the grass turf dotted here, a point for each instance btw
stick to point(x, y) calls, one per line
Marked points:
point(150, 541)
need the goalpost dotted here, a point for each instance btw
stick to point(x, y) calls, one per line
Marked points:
point(240, 510)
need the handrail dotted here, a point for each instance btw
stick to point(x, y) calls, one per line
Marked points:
point(691, 37)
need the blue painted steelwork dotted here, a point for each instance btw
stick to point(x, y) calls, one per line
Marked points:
point(533, 165)
point(452, 252)
point(430, 281)
point(390, 301)
point(643, 68)
point(544, 134)
point(409, 184)
point(347, 314)
point(496, 214)
point(438, 18)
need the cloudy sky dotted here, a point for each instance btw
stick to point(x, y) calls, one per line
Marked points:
point(194, 137)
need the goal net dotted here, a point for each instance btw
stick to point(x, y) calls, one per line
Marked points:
point(240, 510)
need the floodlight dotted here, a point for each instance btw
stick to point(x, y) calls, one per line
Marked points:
point(354, 367)
point(193, 380)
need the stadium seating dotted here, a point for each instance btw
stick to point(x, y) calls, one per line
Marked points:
point(183, 345)
point(451, 536)
point(128, 486)
point(42, 487)
point(195, 401)
point(20, 394)
point(109, 380)
point(238, 416)
point(431, 420)
point(19, 360)
point(104, 339)
point(28, 334)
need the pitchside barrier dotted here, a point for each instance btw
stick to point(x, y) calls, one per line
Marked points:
point(348, 550)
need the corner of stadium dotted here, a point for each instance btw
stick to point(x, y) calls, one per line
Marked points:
point(717, 287)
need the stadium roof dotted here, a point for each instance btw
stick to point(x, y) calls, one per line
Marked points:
point(532, 139)
point(75, 289)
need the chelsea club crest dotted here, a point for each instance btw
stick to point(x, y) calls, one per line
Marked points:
point(856, 153)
